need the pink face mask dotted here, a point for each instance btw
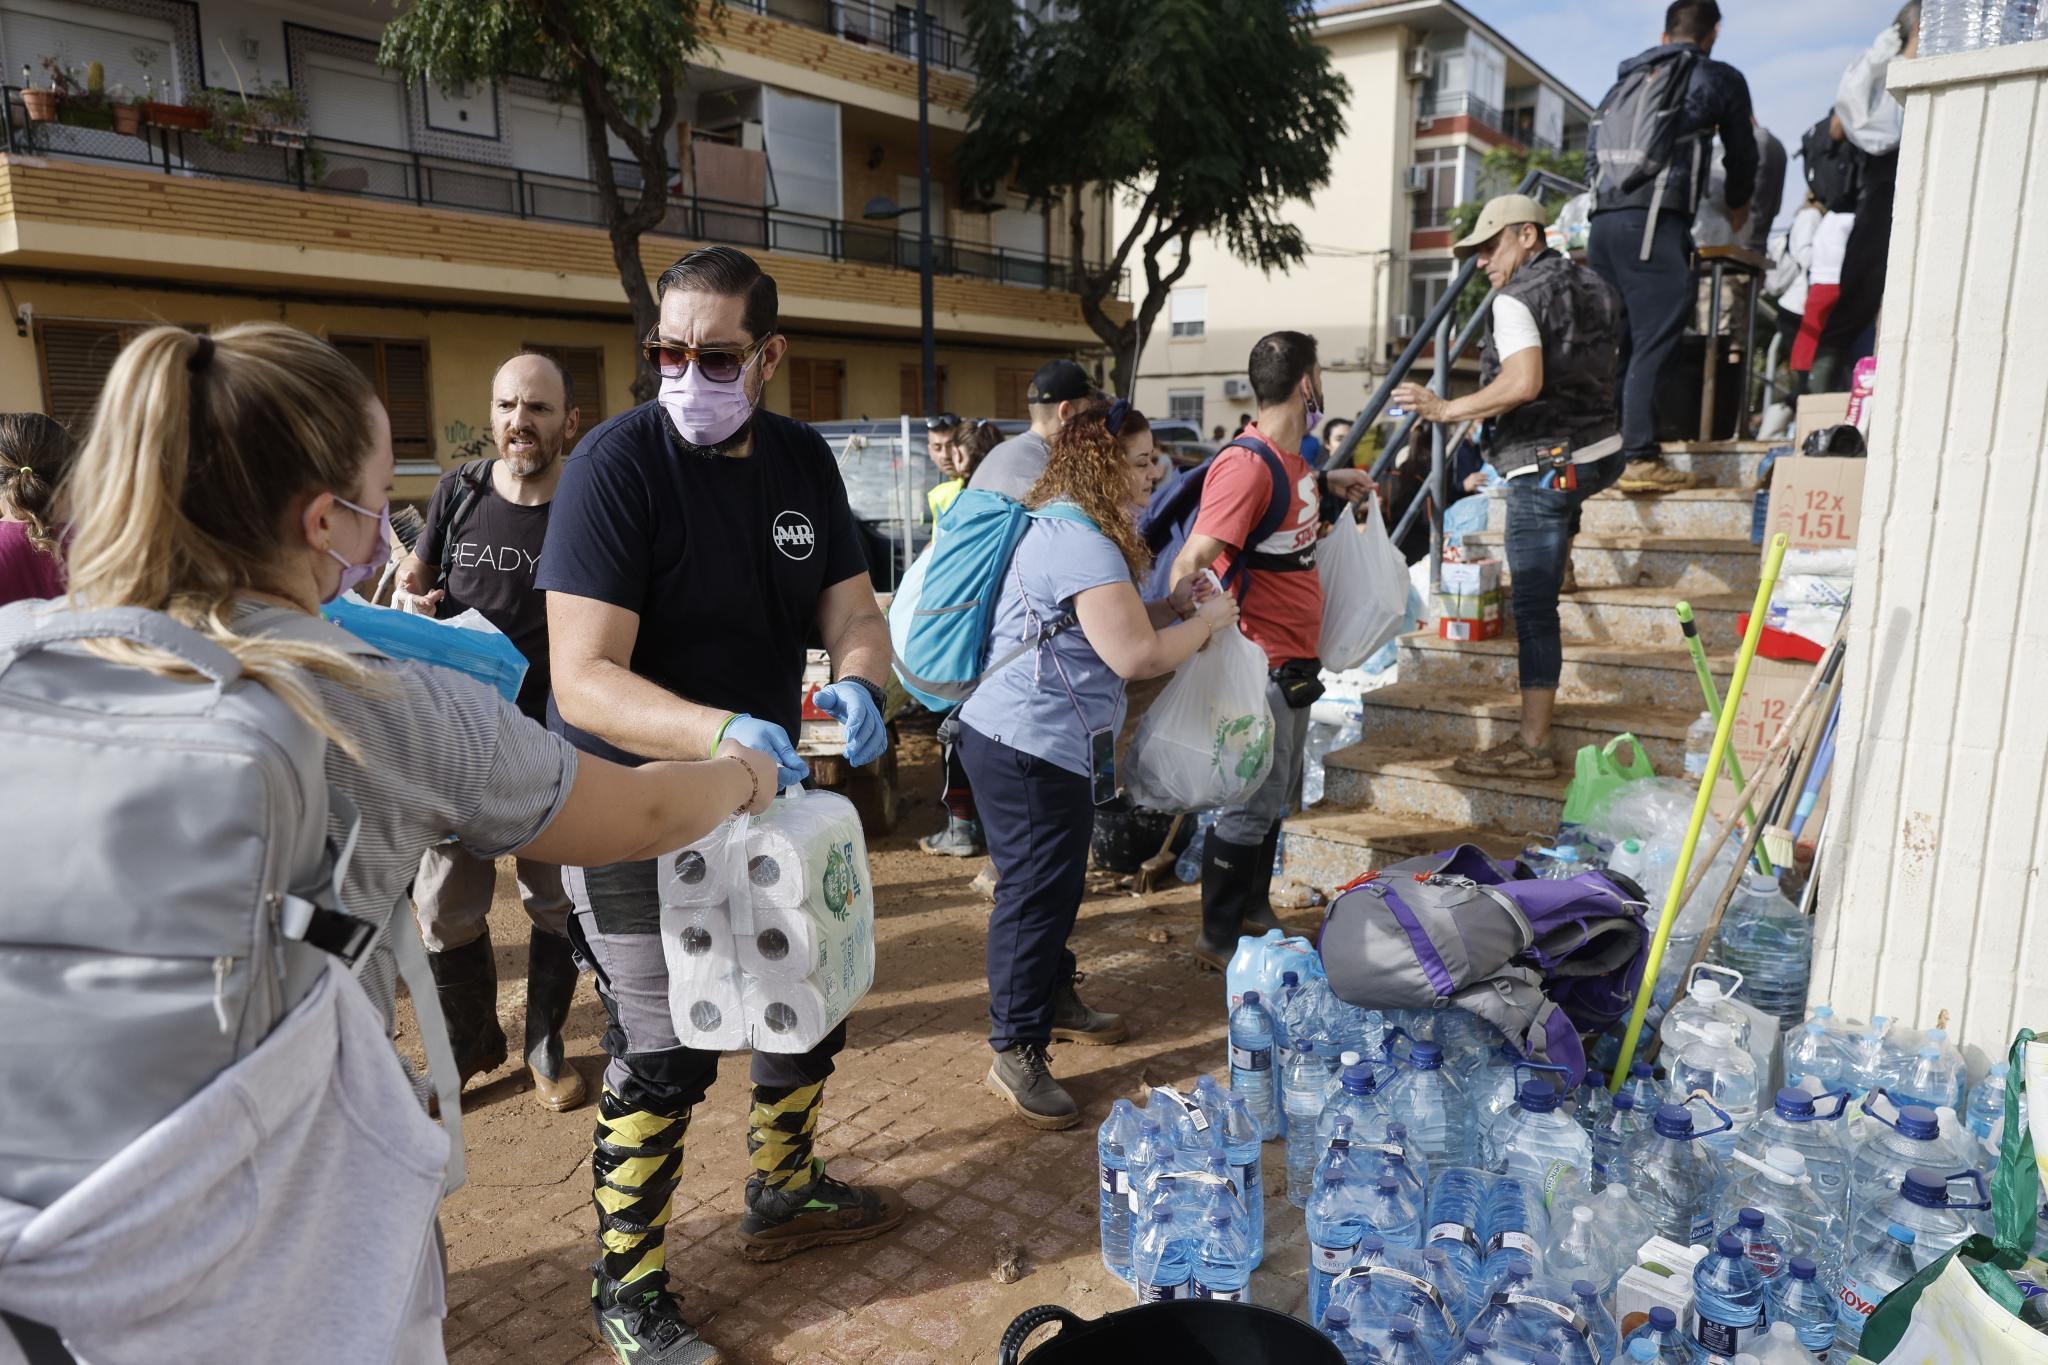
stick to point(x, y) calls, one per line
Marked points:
point(706, 412)
point(380, 550)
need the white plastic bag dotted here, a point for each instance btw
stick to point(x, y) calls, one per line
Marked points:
point(1208, 740)
point(1365, 590)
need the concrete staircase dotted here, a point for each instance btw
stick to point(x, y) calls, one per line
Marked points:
point(1395, 794)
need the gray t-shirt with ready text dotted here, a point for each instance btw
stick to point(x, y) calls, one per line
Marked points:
point(1014, 466)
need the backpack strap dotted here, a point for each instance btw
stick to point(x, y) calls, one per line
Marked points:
point(475, 476)
point(40, 1345)
point(1052, 511)
point(1278, 502)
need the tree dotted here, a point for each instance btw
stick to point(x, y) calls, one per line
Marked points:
point(1205, 116)
point(621, 60)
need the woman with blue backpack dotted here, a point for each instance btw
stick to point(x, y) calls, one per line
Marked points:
point(1038, 735)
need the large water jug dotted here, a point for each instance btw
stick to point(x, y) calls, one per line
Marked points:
point(1615, 1139)
point(1336, 1222)
point(1302, 1081)
point(1624, 1221)
point(1896, 1146)
point(1361, 1098)
point(1513, 1222)
point(1455, 1198)
point(1938, 1221)
point(1706, 1000)
point(1673, 1177)
point(1780, 1345)
point(1987, 1102)
point(1764, 937)
point(1391, 1213)
point(1666, 1341)
point(1874, 1060)
point(1935, 1077)
point(1223, 1249)
point(1808, 1053)
point(1252, 1072)
point(1164, 1262)
point(1727, 1301)
point(1800, 1300)
point(1112, 1150)
point(1874, 1271)
point(1796, 1216)
point(1258, 963)
point(1493, 1088)
point(1539, 1142)
point(1713, 1063)
point(1814, 1130)
point(1580, 1248)
point(1467, 1040)
point(1428, 1101)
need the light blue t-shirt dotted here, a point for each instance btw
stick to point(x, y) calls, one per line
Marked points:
point(1025, 705)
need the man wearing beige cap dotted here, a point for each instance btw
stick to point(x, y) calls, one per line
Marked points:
point(1547, 392)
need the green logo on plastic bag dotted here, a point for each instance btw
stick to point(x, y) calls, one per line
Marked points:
point(1243, 746)
point(841, 886)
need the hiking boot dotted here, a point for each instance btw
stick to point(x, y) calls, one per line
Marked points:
point(1509, 758)
point(1233, 883)
point(466, 985)
point(959, 839)
point(642, 1324)
point(1022, 1076)
point(1074, 1022)
point(984, 883)
point(1654, 476)
point(550, 986)
point(826, 1212)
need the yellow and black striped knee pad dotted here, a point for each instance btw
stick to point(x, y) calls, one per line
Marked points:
point(635, 1164)
point(779, 1131)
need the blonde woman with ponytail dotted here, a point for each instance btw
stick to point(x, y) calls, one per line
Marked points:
point(35, 452)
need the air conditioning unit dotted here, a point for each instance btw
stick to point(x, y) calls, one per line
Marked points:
point(1404, 326)
point(1415, 179)
point(1237, 388)
point(1421, 63)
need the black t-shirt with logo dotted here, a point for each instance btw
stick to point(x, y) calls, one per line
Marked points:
point(491, 558)
point(723, 559)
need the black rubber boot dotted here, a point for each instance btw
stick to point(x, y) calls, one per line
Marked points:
point(1258, 915)
point(466, 980)
point(550, 986)
point(1231, 876)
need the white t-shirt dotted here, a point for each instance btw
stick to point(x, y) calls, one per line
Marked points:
point(1514, 327)
point(1830, 244)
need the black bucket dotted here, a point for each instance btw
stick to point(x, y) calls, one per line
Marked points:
point(1184, 1331)
point(1125, 836)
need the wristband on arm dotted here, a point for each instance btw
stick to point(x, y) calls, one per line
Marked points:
point(719, 738)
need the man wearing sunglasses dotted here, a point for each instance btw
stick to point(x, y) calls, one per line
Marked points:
point(697, 542)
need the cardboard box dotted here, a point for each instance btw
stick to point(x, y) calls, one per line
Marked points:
point(1448, 628)
point(1662, 1276)
point(1817, 501)
point(1469, 580)
point(1483, 606)
point(1766, 699)
point(1818, 410)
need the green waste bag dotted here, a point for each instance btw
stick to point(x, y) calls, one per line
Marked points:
point(1598, 774)
point(1969, 1328)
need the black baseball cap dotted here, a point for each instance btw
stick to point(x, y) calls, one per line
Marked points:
point(1059, 381)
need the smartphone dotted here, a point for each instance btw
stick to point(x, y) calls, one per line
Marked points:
point(1102, 765)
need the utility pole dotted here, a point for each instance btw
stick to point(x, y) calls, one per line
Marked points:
point(928, 358)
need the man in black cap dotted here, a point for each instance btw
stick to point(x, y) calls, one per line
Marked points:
point(1058, 391)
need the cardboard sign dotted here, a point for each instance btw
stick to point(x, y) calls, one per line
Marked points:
point(1817, 501)
point(1766, 701)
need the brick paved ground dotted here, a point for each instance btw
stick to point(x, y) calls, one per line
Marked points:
point(907, 1109)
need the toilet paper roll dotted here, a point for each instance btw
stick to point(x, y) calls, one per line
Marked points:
point(705, 1000)
point(696, 875)
point(783, 944)
point(785, 1016)
point(809, 851)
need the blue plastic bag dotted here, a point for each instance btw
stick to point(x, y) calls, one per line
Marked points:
point(481, 650)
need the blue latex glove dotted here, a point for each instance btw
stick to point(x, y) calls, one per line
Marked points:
point(850, 705)
point(769, 739)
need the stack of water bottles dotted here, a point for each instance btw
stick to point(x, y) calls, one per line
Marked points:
point(1966, 25)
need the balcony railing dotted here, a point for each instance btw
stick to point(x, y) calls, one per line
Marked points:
point(327, 166)
point(1429, 217)
point(1451, 106)
point(871, 25)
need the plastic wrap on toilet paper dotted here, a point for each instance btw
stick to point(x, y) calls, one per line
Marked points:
point(698, 875)
point(783, 945)
point(704, 989)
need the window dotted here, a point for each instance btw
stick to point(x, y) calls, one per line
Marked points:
point(1011, 386)
point(910, 386)
point(75, 358)
point(1444, 188)
point(585, 367)
point(815, 389)
point(1189, 311)
point(1426, 284)
point(1185, 406)
point(397, 367)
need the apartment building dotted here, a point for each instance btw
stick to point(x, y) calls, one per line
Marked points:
point(1433, 88)
point(429, 233)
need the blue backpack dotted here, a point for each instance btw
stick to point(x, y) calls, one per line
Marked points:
point(940, 618)
point(1169, 515)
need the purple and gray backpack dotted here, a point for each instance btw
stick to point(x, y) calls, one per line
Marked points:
point(1540, 960)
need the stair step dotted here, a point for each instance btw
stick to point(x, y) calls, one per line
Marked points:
point(1645, 616)
point(1684, 565)
point(1328, 847)
point(1463, 719)
point(1419, 782)
point(1694, 513)
point(1658, 676)
point(1721, 464)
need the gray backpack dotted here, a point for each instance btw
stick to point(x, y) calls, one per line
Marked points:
point(169, 890)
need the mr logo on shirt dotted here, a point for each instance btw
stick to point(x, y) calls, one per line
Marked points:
point(794, 535)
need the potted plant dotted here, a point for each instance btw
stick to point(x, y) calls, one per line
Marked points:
point(279, 112)
point(84, 90)
point(196, 113)
point(127, 110)
point(42, 105)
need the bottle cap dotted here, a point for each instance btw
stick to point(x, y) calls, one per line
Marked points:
point(1632, 845)
point(1348, 1058)
point(1925, 1188)
point(1581, 1214)
point(1400, 1329)
point(1642, 1068)
point(1585, 1289)
point(1520, 1267)
point(1426, 1056)
point(1162, 1211)
point(1335, 1316)
point(1674, 1121)
point(1803, 1268)
point(1537, 1096)
point(1787, 1161)
point(1358, 1078)
point(1251, 997)
point(1662, 1319)
point(1642, 1348)
point(1728, 1244)
point(1899, 1232)
point(1919, 1122)
point(1624, 1100)
point(2000, 1069)
point(1750, 1218)
point(1794, 1104)
point(1478, 1338)
point(1718, 1033)
point(1290, 979)
point(1389, 1184)
point(1930, 1050)
point(1371, 1244)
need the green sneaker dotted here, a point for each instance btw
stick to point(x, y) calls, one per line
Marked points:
point(826, 1212)
point(642, 1324)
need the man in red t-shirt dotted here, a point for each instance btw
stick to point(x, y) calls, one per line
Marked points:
point(1281, 601)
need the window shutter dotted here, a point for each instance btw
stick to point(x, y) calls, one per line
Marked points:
point(405, 398)
point(800, 390)
point(814, 390)
point(585, 367)
point(910, 388)
point(1011, 386)
point(76, 357)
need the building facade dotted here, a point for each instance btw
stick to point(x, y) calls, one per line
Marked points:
point(430, 233)
point(1433, 89)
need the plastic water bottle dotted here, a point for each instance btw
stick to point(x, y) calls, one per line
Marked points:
point(1360, 1099)
point(1492, 1088)
point(1301, 1096)
point(1540, 1143)
point(1162, 1263)
point(1467, 1040)
point(1455, 1197)
point(1624, 1222)
point(1223, 1253)
point(1800, 1301)
point(1336, 1325)
point(1767, 1247)
point(1728, 1301)
point(1662, 1334)
point(1881, 1267)
point(1715, 1063)
point(1391, 1213)
point(1948, 26)
point(1397, 1157)
point(1404, 1345)
point(1427, 1100)
point(1809, 1052)
point(1876, 1169)
point(1874, 1061)
point(1699, 746)
point(1188, 867)
point(1812, 1129)
point(1987, 1102)
point(1673, 1178)
point(1600, 1324)
point(1112, 1142)
point(1923, 1205)
point(1578, 1247)
point(1778, 1345)
point(1152, 1155)
point(1642, 1084)
point(1764, 937)
point(1934, 1077)
point(1564, 864)
point(1336, 1222)
point(1240, 1133)
point(1512, 1223)
point(1615, 1138)
point(1796, 1217)
point(1706, 1000)
point(1251, 1063)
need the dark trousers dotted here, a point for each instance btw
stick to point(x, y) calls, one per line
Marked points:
point(1037, 818)
point(1863, 277)
point(1658, 295)
point(1539, 537)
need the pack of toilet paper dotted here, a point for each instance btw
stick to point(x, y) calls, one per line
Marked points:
point(768, 927)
